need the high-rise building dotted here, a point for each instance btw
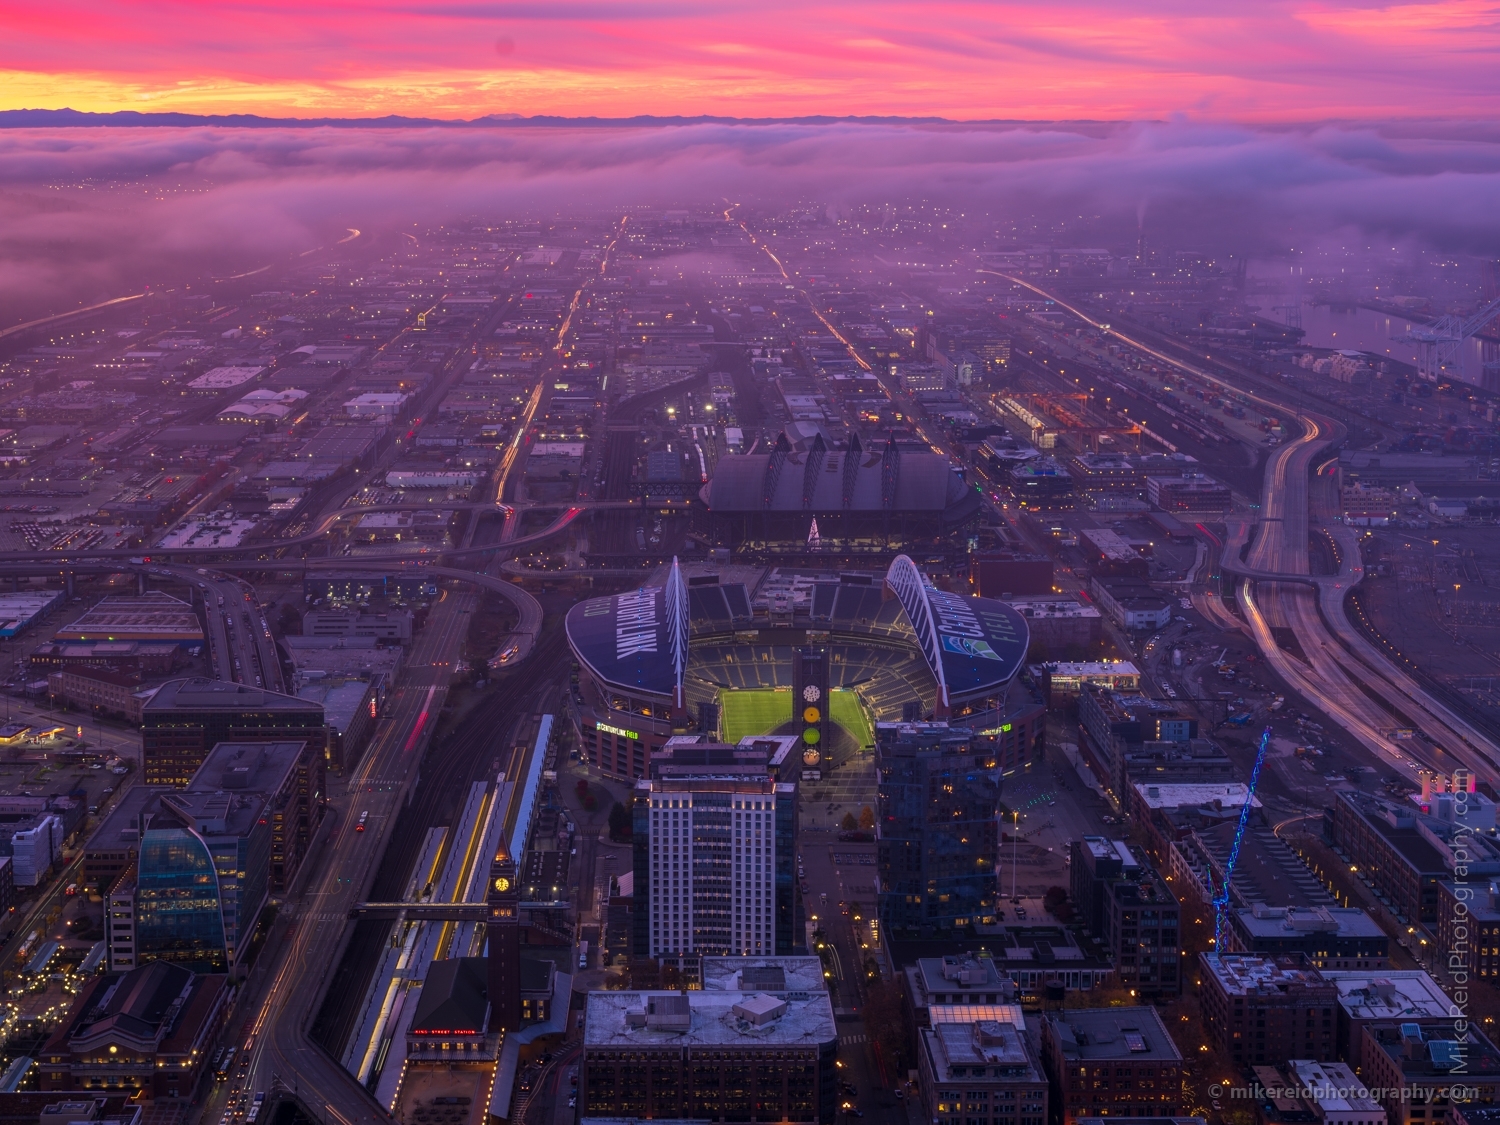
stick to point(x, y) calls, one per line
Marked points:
point(715, 858)
point(199, 878)
point(289, 776)
point(179, 909)
point(185, 719)
point(1128, 906)
point(935, 826)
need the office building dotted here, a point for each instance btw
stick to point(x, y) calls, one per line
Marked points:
point(187, 718)
point(196, 878)
point(1125, 904)
point(935, 828)
point(35, 849)
point(1095, 863)
point(1257, 1010)
point(1111, 1062)
point(1414, 1069)
point(1118, 724)
point(709, 1055)
point(1386, 996)
point(1382, 842)
point(715, 860)
point(1468, 925)
point(1191, 492)
point(981, 1070)
point(149, 1032)
point(1131, 603)
point(288, 777)
point(1330, 937)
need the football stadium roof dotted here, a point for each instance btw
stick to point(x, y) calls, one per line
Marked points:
point(638, 641)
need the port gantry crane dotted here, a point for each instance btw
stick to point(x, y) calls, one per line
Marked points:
point(1442, 343)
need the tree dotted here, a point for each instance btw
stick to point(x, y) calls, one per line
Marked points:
point(620, 827)
point(867, 818)
point(582, 788)
point(885, 1016)
point(849, 824)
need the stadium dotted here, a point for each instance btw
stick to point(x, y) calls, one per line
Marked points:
point(728, 654)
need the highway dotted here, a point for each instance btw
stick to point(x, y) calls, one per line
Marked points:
point(297, 962)
point(1341, 672)
point(241, 648)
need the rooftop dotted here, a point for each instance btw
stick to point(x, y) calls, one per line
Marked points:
point(1389, 994)
point(199, 693)
point(1113, 1033)
point(1045, 607)
point(248, 767)
point(960, 976)
point(703, 1018)
point(1436, 1051)
point(454, 998)
point(1187, 794)
point(1285, 921)
point(1332, 1087)
point(985, 1044)
point(1247, 974)
point(763, 974)
point(151, 616)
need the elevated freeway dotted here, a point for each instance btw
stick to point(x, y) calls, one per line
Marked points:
point(1339, 670)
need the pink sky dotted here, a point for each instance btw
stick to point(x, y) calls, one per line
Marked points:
point(1266, 61)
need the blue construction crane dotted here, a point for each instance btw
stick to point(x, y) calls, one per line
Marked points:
point(1221, 899)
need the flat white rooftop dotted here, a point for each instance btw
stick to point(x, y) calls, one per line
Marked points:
point(808, 1021)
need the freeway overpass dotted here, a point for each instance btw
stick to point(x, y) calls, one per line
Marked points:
point(1279, 590)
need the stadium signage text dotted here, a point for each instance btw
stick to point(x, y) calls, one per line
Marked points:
point(621, 731)
point(636, 623)
point(953, 615)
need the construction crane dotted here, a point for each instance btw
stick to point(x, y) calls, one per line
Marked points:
point(1442, 343)
point(1221, 898)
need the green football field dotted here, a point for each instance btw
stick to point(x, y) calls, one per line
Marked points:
point(848, 713)
point(744, 713)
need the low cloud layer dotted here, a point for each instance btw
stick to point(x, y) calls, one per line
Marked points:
point(87, 214)
point(1266, 61)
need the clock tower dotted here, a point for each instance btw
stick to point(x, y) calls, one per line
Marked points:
point(503, 934)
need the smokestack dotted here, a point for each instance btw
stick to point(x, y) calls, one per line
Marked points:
point(1426, 776)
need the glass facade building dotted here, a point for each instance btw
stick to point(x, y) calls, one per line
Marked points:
point(179, 905)
point(937, 834)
